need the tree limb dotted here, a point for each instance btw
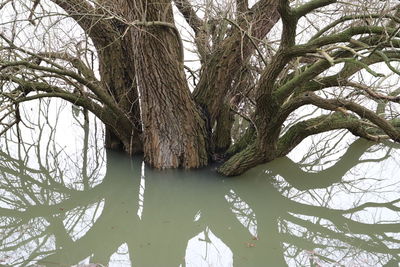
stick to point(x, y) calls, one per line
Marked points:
point(321, 124)
point(310, 6)
point(100, 30)
point(334, 104)
point(186, 9)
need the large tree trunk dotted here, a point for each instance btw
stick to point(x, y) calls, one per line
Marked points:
point(174, 131)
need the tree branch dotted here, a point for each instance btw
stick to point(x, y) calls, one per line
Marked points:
point(101, 31)
point(336, 104)
point(374, 95)
point(321, 124)
point(304, 81)
point(2, 5)
point(234, 51)
point(110, 115)
point(97, 90)
point(289, 21)
point(75, 61)
point(352, 17)
point(186, 9)
point(310, 6)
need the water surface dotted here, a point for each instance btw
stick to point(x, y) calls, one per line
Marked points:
point(336, 208)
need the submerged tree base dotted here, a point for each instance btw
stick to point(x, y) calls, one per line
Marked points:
point(241, 162)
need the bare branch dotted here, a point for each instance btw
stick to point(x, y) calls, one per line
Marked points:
point(310, 6)
point(335, 121)
point(75, 61)
point(372, 93)
point(2, 5)
point(185, 7)
point(334, 104)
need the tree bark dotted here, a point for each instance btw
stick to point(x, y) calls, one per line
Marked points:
point(222, 135)
point(227, 59)
point(174, 131)
point(116, 66)
point(117, 74)
point(223, 66)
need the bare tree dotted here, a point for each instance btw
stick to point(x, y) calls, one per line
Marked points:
point(264, 64)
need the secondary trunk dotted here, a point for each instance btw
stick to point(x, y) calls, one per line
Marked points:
point(116, 70)
point(223, 66)
point(263, 143)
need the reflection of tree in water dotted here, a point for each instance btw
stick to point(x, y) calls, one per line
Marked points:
point(63, 212)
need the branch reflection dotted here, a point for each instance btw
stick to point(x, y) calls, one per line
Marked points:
point(109, 209)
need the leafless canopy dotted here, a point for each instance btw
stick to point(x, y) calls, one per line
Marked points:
point(265, 75)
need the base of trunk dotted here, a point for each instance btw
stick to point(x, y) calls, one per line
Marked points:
point(112, 141)
point(133, 145)
point(242, 162)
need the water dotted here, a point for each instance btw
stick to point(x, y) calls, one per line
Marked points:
point(79, 205)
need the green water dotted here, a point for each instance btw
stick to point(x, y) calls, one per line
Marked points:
point(106, 208)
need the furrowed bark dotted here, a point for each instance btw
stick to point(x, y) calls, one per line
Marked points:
point(224, 64)
point(241, 162)
point(222, 135)
point(117, 73)
point(174, 132)
point(248, 138)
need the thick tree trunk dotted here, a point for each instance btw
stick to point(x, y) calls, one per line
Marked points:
point(114, 49)
point(143, 89)
point(174, 132)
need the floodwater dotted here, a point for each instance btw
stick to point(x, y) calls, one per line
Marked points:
point(333, 207)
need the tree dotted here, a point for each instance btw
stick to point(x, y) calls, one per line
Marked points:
point(126, 65)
